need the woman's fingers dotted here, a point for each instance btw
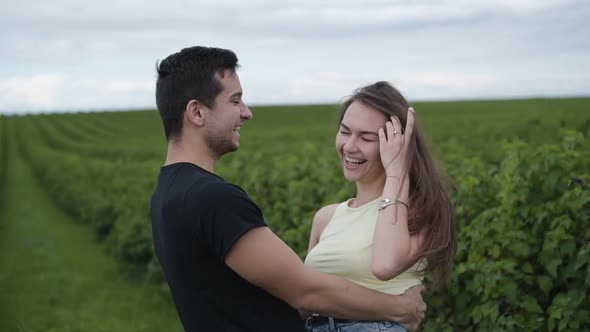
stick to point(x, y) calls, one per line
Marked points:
point(382, 137)
point(410, 123)
point(397, 126)
point(389, 127)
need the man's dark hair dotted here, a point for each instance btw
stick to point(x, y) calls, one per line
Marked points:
point(187, 75)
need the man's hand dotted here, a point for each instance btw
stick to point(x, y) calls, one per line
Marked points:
point(416, 308)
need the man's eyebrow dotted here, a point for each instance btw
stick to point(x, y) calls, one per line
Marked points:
point(364, 132)
point(236, 95)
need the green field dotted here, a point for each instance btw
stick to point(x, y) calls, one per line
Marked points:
point(75, 233)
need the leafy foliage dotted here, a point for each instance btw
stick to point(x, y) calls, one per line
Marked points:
point(522, 198)
point(3, 154)
point(523, 258)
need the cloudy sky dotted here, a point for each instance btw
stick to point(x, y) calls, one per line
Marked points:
point(70, 55)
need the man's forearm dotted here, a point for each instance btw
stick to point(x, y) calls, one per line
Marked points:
point(334, 296)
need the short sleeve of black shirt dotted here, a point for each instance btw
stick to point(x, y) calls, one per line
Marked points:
point(226, 214)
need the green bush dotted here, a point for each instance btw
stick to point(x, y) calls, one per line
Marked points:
point(3, 154)
point(522, 208)
point(523, 260)
point(110, 196)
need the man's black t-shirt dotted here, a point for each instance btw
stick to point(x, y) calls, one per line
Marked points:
point(196, 219)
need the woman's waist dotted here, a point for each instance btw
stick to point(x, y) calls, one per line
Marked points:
point(365, 278)
point(324, 324)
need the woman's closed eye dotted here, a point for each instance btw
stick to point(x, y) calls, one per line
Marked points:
point(369, 139)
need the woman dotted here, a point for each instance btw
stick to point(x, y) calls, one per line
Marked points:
point(401, 224)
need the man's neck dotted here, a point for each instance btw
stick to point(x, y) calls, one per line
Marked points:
point(197, 154)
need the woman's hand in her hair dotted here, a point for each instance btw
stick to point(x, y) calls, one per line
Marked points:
point(393, 144)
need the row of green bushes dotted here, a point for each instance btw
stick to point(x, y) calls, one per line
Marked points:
point(523, 261)
point(523, 256)
point(90, 147)
point(3, 155)
point(112, 197)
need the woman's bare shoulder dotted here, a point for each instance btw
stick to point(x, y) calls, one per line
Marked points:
point(323, 216)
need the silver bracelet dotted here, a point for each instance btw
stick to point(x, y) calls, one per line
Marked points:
point(387, 202)
point(397, 201)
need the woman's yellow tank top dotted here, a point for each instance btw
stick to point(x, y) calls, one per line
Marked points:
point(345, 250)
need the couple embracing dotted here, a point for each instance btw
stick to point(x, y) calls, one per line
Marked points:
point(227, 271)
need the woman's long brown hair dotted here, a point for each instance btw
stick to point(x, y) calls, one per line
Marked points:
point(431, 210)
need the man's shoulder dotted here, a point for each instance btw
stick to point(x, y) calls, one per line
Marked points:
point(192, 179)
point(216, 190)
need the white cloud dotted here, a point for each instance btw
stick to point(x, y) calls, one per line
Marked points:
point(333, 86)
point(34, 92)
point(323, 85)
point(54, 92)
point(353, 12)
point(449, 81)
point(75, 55)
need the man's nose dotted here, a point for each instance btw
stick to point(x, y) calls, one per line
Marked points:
point(246, 113)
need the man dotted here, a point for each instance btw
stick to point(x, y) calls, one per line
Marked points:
point(226, 269)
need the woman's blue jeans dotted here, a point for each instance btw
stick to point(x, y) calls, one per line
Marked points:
point(329, 324)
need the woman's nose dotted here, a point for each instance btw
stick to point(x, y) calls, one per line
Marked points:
point(350, 145)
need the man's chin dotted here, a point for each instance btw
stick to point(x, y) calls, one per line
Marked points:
point(228, 149)
point(231, 149)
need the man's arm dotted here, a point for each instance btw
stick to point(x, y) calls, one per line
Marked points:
point(260, 257)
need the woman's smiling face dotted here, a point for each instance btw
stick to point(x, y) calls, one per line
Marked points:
point(357, 143)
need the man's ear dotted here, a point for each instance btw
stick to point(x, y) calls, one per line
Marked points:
point(195, 113)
